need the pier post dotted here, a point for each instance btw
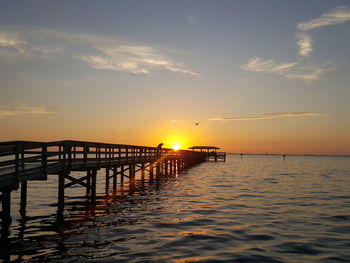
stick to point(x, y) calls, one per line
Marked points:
point(122, 174)
point(158, 164)
point(93, 185)
point(162, 165)
point(171, 167)
point(142, 172)
point(23, 201)
point(6, 214)
point(115, 174)
point(107, 180)
point(166, 167)
point(131, 176)
point(151, 172)
point(61, 177)
point(88, 182)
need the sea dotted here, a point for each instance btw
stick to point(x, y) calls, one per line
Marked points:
point(254, 208)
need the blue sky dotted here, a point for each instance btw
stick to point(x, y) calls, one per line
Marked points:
point(258, 75)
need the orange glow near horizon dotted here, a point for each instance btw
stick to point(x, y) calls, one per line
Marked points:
point(176, 141)
point(176, 146)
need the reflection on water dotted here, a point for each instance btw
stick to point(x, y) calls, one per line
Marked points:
point(250, 209)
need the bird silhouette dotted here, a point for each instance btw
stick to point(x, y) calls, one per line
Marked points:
point(196, 123)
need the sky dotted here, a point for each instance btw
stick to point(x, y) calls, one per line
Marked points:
point(247, 76)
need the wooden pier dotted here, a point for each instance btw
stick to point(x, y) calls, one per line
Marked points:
point(22, 161)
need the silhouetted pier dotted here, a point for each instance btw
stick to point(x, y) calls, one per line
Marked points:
point(22, 161)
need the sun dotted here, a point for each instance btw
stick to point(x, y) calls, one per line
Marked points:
point(176, 146)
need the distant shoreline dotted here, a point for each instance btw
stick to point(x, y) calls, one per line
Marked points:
point(279, 154)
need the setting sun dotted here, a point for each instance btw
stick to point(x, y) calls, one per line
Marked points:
point(176, 146)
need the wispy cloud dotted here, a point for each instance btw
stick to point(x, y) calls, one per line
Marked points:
point(337, 15)
point(268, 66)
point(14, 47)
point(99, 52)
point(298, 70)
point(304, 43)
point(135, 59)
point(312, 75)
point(290, 70)
point(269, 116)
point(9, 40)
point(17, 108)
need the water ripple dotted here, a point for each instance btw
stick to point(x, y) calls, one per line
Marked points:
point(251, 209)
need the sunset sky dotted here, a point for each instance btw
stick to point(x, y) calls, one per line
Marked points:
point(256, 76)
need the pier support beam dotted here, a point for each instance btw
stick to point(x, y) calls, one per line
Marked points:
point(107, 180)
point(88, 182)
point(93, 185)
point(115, 174)
point(158, 164)
point(171, 167)
point(23, 204)
point(6, 214)
point(122, 174)
point(151, 172)
point(61, 177)
point(166, 167)
point(142, 172)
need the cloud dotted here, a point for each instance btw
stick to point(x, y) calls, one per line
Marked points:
point(9, 40)
point(311, 76)
point(268, 66)
point(304, 43)
point(291, 70)
point(296, 70)
point(17, 108)
point(14, 47)
point(99, 52)
point(337, 15)
point(269, 116)
point(135, 59)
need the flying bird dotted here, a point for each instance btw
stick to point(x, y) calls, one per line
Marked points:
point(196, 123)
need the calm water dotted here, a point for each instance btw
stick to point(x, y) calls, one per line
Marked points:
point(254, 209)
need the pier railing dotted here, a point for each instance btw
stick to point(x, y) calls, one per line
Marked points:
point(27, 160)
